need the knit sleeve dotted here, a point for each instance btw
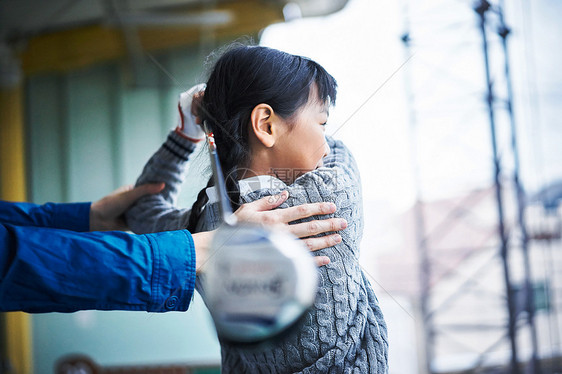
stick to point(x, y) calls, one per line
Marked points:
point(157, 212)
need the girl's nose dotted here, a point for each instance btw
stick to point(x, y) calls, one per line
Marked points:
point(326, 149)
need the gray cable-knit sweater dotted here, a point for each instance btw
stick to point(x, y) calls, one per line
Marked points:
point(344, 332)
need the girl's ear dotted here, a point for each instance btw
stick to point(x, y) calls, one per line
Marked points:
point(264, 122)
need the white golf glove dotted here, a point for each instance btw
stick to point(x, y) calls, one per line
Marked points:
point(187, 127)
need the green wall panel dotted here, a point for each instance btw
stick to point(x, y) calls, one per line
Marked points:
point(140, 130)
point(46, 139)
point(90, 129)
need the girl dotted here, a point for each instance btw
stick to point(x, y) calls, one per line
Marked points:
point(267, 110)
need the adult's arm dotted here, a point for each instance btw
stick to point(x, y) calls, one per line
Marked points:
point(69, 216)
point(54, 270)
point(104, 214)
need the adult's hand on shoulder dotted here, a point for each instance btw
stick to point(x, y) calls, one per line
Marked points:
point(261, 212)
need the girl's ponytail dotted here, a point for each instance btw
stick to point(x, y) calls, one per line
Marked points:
point(198, 206)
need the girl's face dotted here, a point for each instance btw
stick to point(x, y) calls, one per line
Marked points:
point(302, 146)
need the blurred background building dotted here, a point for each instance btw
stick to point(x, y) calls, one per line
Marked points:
point(88, 93)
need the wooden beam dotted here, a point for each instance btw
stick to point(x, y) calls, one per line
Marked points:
point(85, 46)
point(17, 327)
point(12, 150)
point(18, 342)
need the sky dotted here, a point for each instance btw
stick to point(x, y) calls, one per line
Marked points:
point(445, 141)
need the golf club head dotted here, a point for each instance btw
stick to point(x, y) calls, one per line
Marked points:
point(258, 281)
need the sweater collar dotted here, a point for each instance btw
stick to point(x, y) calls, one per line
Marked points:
point(248, 185)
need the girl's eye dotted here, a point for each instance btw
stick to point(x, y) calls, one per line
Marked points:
point(323, 124)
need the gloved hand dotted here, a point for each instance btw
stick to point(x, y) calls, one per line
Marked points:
point(187, 125)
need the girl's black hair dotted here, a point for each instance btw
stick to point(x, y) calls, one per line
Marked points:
point(243, 77)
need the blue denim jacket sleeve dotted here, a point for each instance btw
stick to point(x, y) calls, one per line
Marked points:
point(56, 270)
point(69, 216)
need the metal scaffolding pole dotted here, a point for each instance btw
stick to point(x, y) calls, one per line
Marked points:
point(503, 32)
point(481, 7)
